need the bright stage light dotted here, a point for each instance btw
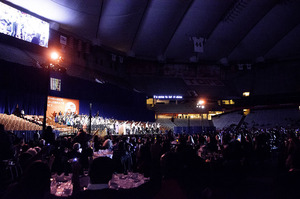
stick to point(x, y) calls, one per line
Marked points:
point(201, 102)
point(246, 94)
point(54, 56)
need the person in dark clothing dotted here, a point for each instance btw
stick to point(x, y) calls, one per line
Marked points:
point(144, 158)
point(48, 135)
point(75, 153)
point(82, 138)
point(172, 168)
point(100, 173)
point(36, 39)
point(96, 143)
point(6, 145)
point(6, 153)
point(17, 111)
point(34, 184)
point(121, 158)
point(14, 29)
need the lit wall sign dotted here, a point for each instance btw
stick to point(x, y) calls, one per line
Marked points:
point(167, 97)
point(55, 84)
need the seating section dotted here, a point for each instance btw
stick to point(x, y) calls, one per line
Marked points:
point(30, 123)
point(174, 108)
point(178, 122)
point(227, 119)
point(273, 117)
point(267, 118)
point(166, 122)
point(34, 118)
point(199, 122)
point(14, 123)
point(181, 122)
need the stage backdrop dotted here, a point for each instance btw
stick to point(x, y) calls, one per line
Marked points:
point(63, 105)
point(27, 87)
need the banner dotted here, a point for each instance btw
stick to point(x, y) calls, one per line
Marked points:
point(198, 44)
point(63, 105)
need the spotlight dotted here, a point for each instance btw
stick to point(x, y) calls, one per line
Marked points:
point(201, 102)
point(54, 56)
point(54, 62)
point(246, 94)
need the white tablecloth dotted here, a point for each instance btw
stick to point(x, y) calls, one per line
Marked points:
point(103, 153)
point(120, 181)
point(61, 185)
point(132, 180)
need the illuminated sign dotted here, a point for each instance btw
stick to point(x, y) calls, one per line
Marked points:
point(20, 25)
point(167, 96)
point(55, 84)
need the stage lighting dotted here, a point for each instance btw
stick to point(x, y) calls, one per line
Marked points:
point(54, 62)
point(54, 56)
point(201, 102)
point(246, 94)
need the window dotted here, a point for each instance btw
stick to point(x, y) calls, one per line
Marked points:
point(246, 111)
point(226, 102)
point(150, 101)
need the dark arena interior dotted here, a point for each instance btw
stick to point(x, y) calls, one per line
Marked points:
point(195, 99)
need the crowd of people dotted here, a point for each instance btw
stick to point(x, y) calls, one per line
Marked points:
point(110, 125)
point(256, 163)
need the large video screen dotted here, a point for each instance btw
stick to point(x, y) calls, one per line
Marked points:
point(18, 24)
point(56, 105)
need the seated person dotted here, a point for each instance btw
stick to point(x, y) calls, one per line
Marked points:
point(100, 173)
point(6, 145)
point(107, 144)
point(76, 152)
point(35, 183)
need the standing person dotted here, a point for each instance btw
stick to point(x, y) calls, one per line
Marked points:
point(82, 137)
point(121, 158)
point(14, 28)
point(17, 111)
point(48, 135)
